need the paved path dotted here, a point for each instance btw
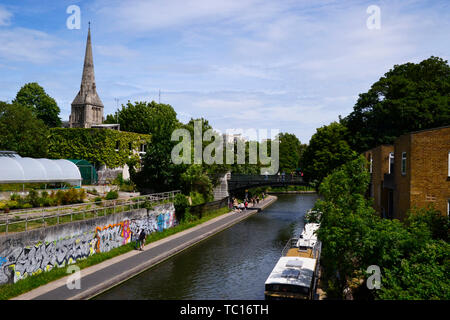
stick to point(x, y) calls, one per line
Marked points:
point(103, 276)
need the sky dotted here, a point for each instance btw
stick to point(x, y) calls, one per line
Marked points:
point(291, 65)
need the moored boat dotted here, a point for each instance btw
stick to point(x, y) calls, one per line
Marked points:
point(296, 272)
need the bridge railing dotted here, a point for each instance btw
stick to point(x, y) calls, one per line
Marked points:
point(265, 178)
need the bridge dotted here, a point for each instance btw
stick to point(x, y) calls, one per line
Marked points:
point(238, 182)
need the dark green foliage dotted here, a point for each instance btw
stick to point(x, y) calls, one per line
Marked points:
point(408, 98)
point(21, 131)
point(143, 117)
point(94, 145)
point(44, 107)
point(327, 150)
point(413, 258)
point(112, 195)
point(181, 203)
point(290, 152)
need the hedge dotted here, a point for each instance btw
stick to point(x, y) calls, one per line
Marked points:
point(97, 146)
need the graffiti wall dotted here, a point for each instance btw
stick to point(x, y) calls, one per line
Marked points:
point(18, 261)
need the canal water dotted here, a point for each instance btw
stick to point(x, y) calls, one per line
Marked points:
point(233, 264)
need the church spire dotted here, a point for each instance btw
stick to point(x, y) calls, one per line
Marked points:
point(88, 78)
point(87, 101)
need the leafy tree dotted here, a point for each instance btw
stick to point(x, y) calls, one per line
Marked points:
point(409, 97)
point(143, 117)
point(413, 258)
point(327, 150)
point(44, 107)
point(290, 152)
point(20, 131)
point(158, 172)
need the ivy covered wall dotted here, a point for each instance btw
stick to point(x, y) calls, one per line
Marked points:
point(97, 146)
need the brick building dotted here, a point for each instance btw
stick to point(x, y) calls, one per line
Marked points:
point(414, 172)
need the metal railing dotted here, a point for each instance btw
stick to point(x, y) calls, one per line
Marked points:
point(64, 214)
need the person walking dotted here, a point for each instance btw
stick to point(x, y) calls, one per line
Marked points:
point(137, 242)
point(142, 240)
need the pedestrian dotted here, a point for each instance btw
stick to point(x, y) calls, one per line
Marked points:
point(235, 204)
point(137, 242)
point(246, 204)
point(142, 239)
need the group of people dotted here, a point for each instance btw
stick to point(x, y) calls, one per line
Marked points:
point(236, 206)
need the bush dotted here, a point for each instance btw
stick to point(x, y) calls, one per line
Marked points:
point(112, 195)
point(98, 199)
point(181, 203)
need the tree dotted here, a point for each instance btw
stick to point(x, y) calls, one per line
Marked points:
point(44, 107)
point(158, 172)
point(413, 257)
point(20, 131)
point(409, 97)
point(143, 117)
point(327, 150)
point(290, 152)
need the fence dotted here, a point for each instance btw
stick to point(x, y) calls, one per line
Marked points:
point(63, 214)
point(198, 210)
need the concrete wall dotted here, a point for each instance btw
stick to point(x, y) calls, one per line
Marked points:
point(32, 252)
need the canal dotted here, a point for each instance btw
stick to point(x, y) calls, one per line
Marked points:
point(233, 264)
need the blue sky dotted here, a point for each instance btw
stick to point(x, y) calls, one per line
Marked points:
point(287, 65)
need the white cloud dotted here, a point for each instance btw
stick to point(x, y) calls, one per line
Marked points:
point(21, 44)
point(5, 17)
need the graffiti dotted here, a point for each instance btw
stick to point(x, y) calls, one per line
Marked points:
point(112, 236)
point(18, 261)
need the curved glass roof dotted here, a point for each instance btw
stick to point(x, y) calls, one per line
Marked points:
point(29, 170)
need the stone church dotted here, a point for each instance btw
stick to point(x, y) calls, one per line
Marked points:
point(87, 108)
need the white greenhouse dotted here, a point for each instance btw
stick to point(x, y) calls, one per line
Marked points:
point(15, 169)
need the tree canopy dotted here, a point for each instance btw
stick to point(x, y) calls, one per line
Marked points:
point(44, 107)
point(327, 150)
point(413, 257)
point(21, 131)
point(290, 152)
point(409, 97)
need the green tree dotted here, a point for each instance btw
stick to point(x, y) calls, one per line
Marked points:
point(413, 257)
point(20, 131)
point(44, 107)
point(158, 172)
point(327, 150)
point(143, 117)
point(290, 152)
point(409, 97)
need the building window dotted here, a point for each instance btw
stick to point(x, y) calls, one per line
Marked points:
point(391, 162)
point(449, 163)
point(117, 145)
point(371, 163)
point(143, 148)
point(403, 163)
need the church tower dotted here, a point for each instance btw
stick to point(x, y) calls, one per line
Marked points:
point(87, 108)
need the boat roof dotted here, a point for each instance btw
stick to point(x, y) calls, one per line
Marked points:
point(296, 271)
point(308, 237)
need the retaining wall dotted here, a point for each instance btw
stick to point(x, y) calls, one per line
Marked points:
point(32, 252)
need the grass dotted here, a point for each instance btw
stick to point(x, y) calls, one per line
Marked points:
point(8, 291)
